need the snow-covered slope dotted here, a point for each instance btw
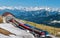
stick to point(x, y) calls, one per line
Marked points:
point(19, 33)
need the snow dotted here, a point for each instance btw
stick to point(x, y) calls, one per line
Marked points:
point(28, 8)
point(55, 21)
point(19, 33)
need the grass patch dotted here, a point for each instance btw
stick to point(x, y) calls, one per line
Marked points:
point(52, 30)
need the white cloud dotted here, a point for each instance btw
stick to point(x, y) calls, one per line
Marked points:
point(6, 7)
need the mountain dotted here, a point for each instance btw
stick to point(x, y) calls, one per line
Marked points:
point(40, 16)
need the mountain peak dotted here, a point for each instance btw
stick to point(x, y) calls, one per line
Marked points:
point(28, 8)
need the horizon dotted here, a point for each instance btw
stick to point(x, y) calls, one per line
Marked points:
point(28, 8)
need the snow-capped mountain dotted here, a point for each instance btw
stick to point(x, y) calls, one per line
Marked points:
point(28, 8)
point(35, 14)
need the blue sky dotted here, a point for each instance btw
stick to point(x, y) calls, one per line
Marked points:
point(31, 3)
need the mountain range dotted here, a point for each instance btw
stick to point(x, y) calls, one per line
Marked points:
point(40, 16)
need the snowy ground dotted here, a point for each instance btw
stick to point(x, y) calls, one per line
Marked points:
point(19, 33)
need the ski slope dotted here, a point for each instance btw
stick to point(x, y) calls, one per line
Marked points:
point(19, 33)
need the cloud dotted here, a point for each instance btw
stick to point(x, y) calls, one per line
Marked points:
point(5, 7)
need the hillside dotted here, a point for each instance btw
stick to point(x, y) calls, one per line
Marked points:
point(51, 30)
